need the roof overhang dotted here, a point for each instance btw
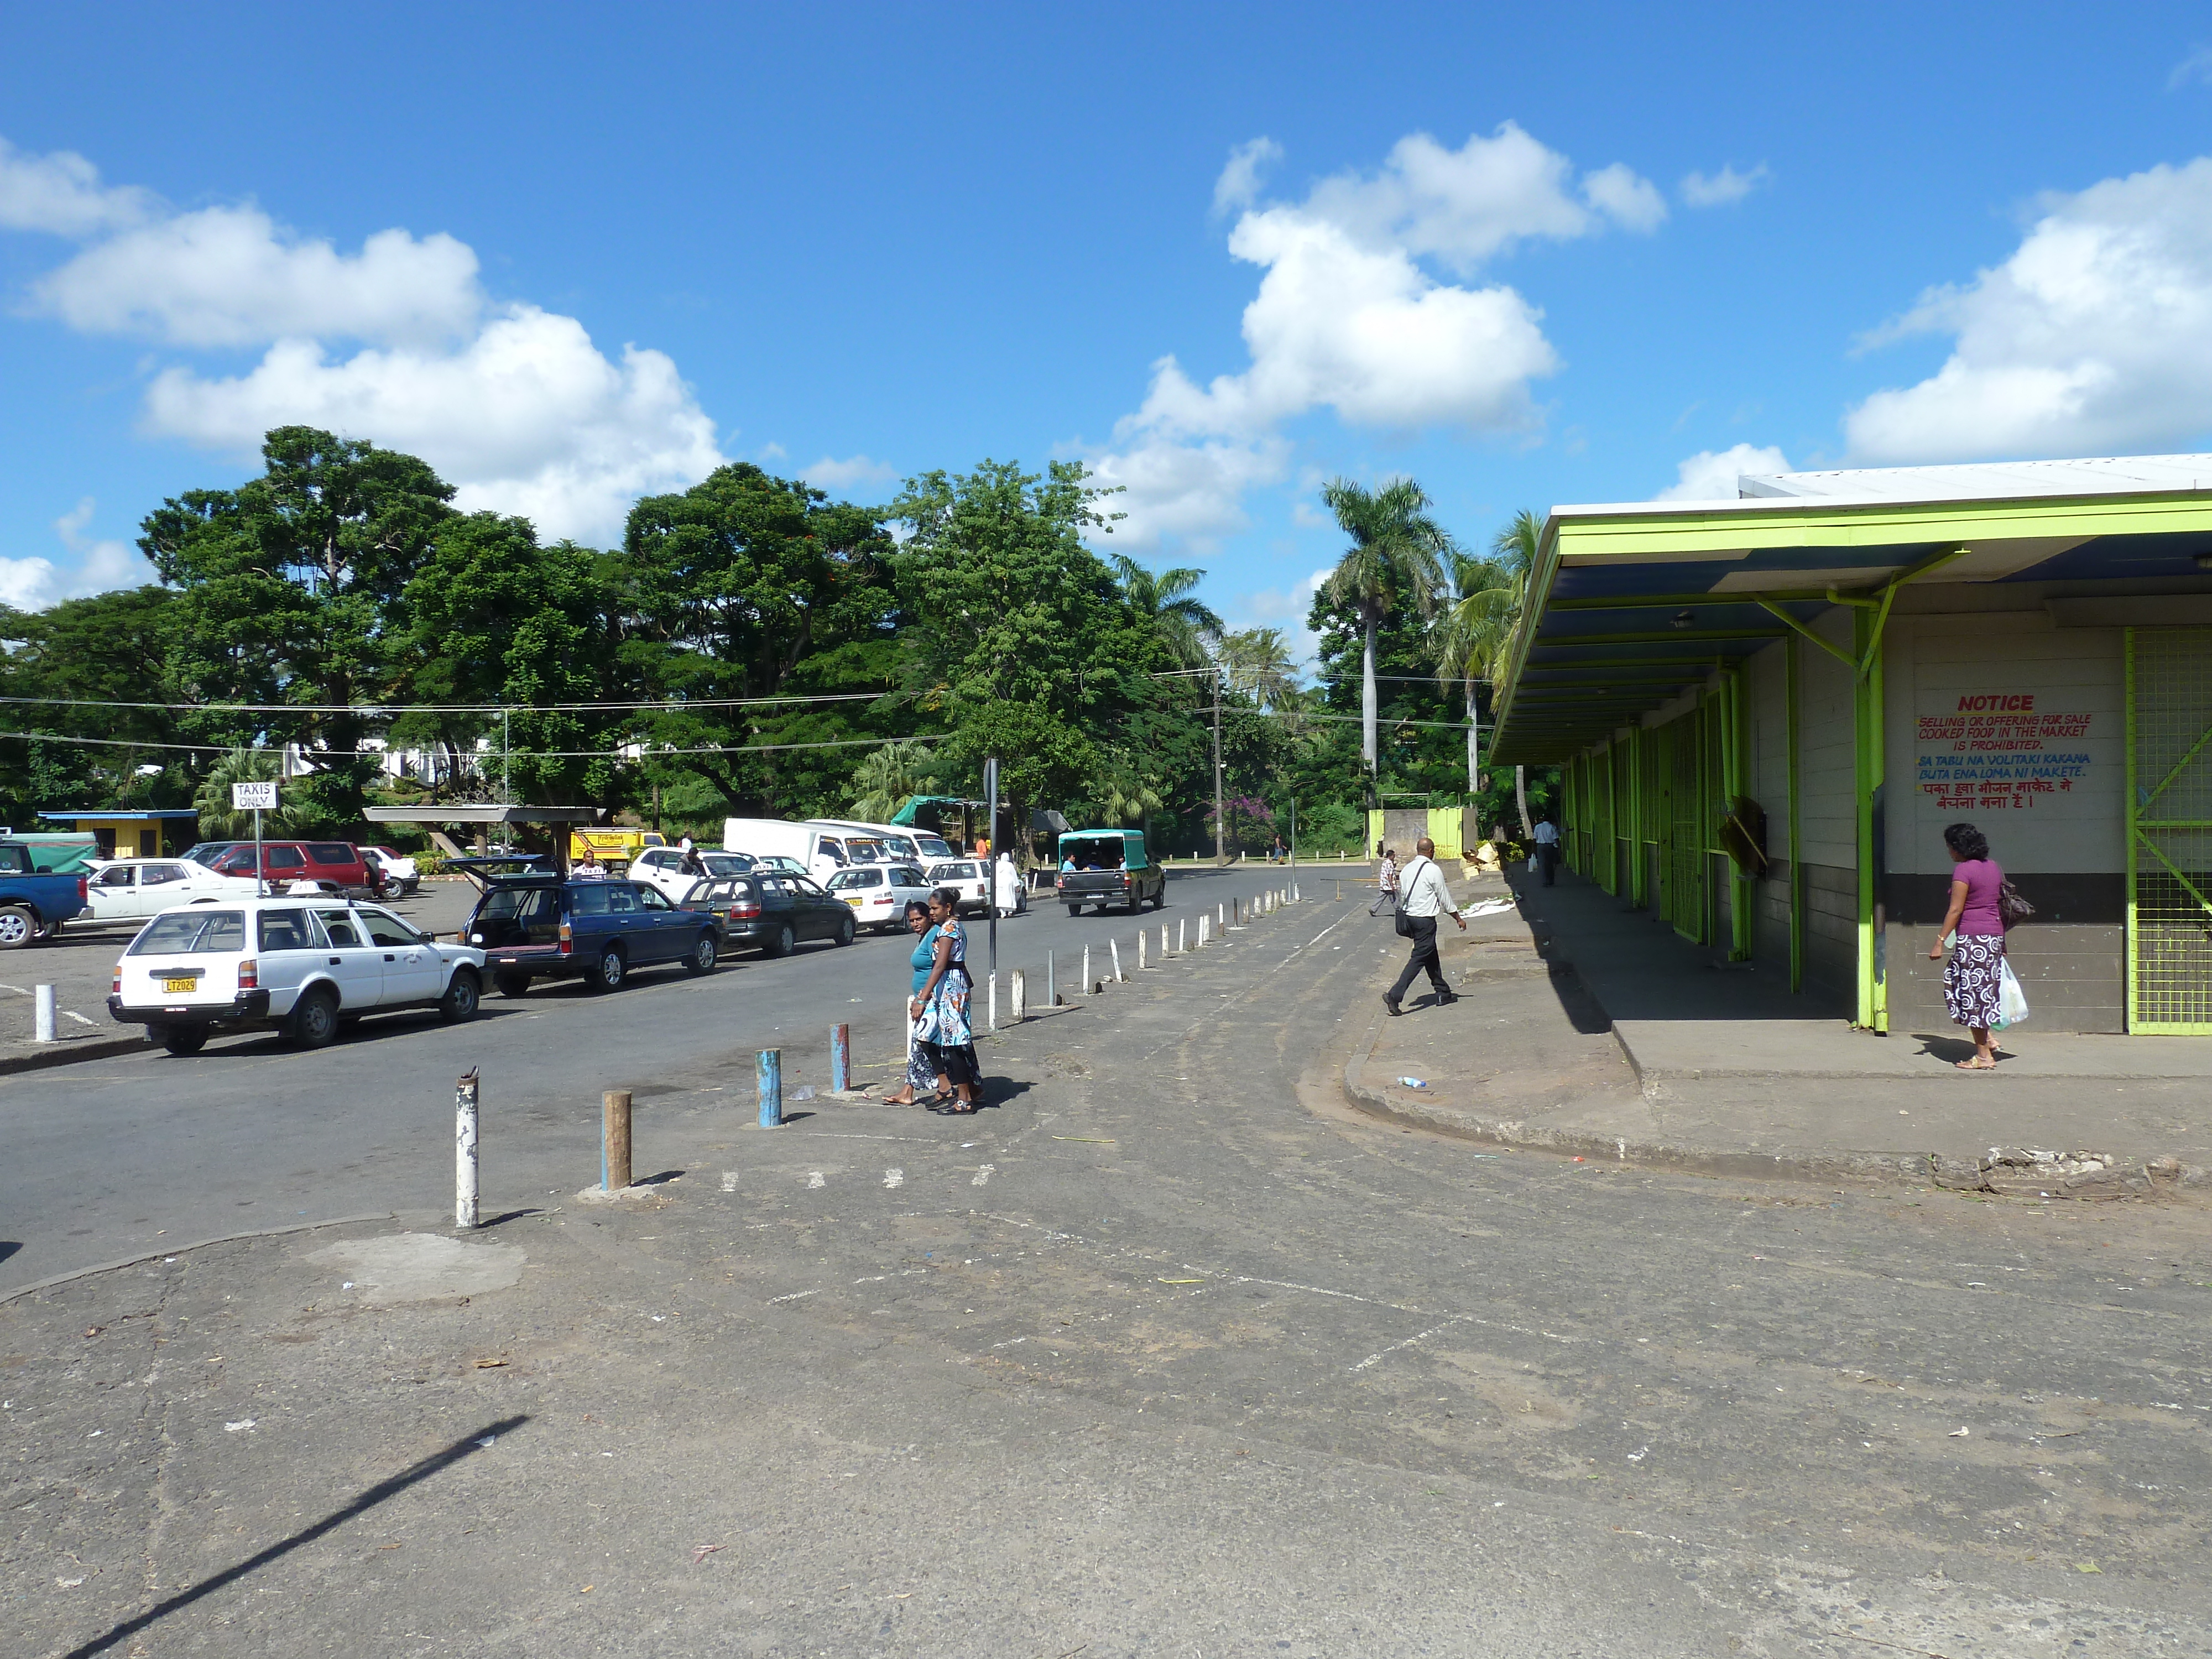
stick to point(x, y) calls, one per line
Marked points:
point(482, 812)
point(1630, 606)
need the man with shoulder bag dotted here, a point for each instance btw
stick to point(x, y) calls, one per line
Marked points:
point(1422, 897)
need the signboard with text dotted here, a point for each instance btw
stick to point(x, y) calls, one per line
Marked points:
point(249, 796)
point(2000, 751)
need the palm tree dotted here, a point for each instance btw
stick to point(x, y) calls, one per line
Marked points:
point(1257, 661)
point(1395, 545)
point(219, 819)
point(1475, 638)
point(1185, 624)
point(886, 777)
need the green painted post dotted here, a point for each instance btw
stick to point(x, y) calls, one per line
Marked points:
point(1867, 769)
point(1796, 870)
point(2128, 978)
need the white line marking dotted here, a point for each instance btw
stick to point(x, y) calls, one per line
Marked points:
point(814, 1179)
point(1420, 1337)
point(894, 1177)
point(796, 1295)
point(729, 1181)
point(983, 1175)
point(70, 1013)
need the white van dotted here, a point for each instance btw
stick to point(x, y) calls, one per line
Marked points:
point(823, 848)
point(910, 845)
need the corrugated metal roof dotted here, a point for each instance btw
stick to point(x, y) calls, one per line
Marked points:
point(2119, 475)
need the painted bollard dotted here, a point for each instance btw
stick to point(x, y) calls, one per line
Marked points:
point(42, 1029)
point(464, 1150)
point(1088, 984)
point(614, 1140)
point(1179, 935)
point(1141, 953)
point(1164, 952)
point(1020, 995)
point(1051, 986)
point(841, 1059)
point(1114, 946)
point(770, 1069)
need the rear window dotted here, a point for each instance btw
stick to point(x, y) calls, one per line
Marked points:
point(330, 852)
point(589, 899)
point(846, 880)
point(182, 931)
point(525, 904)
point(287, 930)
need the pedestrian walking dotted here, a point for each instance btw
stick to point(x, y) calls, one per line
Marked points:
point(1547, 848)
point(940, 1006)
point(1006, 892)
point(1385, 885)
point(1973, 978)
point(1425, 898)
point(922, 1076)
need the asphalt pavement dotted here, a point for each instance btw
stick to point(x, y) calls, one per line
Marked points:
point(1168, 1351)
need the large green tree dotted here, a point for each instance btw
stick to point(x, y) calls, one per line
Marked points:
point(1396, 557)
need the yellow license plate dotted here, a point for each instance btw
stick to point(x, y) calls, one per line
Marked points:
point(854, 902)
point(182, 987)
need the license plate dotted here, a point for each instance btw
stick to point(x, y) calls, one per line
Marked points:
point(183, 985)
point(854, 902)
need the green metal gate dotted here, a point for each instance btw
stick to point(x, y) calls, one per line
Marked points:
point(2169, 809)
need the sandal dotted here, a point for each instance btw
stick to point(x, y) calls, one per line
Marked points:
point(1975, 1065)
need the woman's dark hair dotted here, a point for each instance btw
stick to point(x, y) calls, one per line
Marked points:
point(1966, 842)
point(949, 898)
point(914, 908)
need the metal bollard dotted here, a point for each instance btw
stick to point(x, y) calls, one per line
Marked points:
point(1164, 952)
point(1220, 917)
point(994, 1015)
point(1141, 937)
point(43, 1013)
point(1115, 945)
point(614, 1140)
point(1088, 982)
point(464, 1150)
point(841, 1059)
point(1021, 995)
point(1051, 988)
point(770, 1072)
point(1182, 933)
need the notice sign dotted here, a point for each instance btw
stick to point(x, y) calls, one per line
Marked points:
point(247, 797)
point(1997, 751)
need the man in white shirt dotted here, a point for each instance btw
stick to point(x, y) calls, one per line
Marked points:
point(1423, 896)
point(1547, 848)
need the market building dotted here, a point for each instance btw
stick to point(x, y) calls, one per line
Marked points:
point(1766, 710)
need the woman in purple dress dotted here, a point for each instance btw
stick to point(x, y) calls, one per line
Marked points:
point(1975, 974)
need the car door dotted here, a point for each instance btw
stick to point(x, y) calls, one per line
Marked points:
point(413, 972)
point(161, 885)
point(288, 946)
point(670, 930)
point(626, 920)
point(813, 912)
point(352, 961)
point(113, 893)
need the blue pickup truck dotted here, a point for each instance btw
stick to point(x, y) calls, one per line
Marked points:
point(536, 924)
point(33, 904)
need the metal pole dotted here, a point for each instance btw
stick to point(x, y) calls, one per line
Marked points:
point(1051, 988)
point(770, 1075)
point(1087, 981)
point(43, 1014)
point(614, 1140)
point(1219, 823)
point(991, 875)
point(260, 876)
point(464, 1151)
point(506, 747)
point(841, 1059)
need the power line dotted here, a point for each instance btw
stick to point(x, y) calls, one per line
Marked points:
point(378, 708)
point(648, 752)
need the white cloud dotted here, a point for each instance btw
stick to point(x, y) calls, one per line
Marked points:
point(2092, 338)
point(1710, 476)
point(1238, 187)
point(1346, 318)
point(2197, 67)
point(1722, 189)
point(1286, 609)
point(61, 194)
point(33, 583)
point(832, 474)
point(231, 277)
point(527, 417)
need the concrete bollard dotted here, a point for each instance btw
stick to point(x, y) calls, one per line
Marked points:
point(464, 1151)
point(1115, 945)
point(994, 1014)
point(1051, 988)
point(614, 1140)
point(769, 1068)
point(1205, 924)
point(1179, 935)
point(43, 1013)
point(1020, 995)
point(1220, 917)
point(841, 1059)
point(1087, 981)
point(1164, 952)
point(1141, 937)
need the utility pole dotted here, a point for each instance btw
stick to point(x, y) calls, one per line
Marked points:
point(506, 794)
point(1220, 823)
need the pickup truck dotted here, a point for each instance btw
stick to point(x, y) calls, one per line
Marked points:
point(33, 905)
point(1109, 868)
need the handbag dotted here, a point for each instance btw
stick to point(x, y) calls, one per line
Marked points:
point(2011, 1001)
point(1405, 923)
point(2012, 909)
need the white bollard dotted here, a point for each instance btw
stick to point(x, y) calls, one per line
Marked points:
point(1021, 995)
point(464, 1151)
point(1088, 984)
point(1115, 945)
point(1220, 915)
point(994, 1002)
point(1179, 935)
point(1164, 952)
point(1141, 937)
point(1205, 926)
point(43, 1014)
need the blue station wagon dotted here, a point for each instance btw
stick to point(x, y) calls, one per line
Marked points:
point(535, 924)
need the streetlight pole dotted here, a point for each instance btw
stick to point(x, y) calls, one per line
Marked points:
point(505, 746)
point(1221, 823)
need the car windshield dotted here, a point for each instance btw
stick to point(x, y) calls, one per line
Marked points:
point(727, 864)
point(849, 879)
point(180, 931)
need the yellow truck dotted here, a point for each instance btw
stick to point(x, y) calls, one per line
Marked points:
point(614, 845)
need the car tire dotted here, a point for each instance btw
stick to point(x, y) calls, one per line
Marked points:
point(183, 1039)
point(611, 972)
point(705, 953)
point(18, 927)
point(847, 932)
point(464, 995)
point(1074, 909)
point(786, 941)
point(314, 1021)
point(51, 930)
point(512, 985)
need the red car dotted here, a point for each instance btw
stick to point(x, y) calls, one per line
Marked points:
point(337, 865)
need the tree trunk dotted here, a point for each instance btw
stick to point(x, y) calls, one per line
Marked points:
point(1521, 800)
point(1367, 699)
point(1474, 744)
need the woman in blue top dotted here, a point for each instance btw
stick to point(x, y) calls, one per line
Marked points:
point(922, 1073)
point(940, 1006)
point(1975, 974)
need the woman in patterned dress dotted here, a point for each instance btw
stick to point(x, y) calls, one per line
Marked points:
point(940, 1006)
point(1975, 974)
point(923, 1077)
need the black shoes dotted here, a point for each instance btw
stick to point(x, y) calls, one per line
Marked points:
point(1391, 1003)
point(1447, 998)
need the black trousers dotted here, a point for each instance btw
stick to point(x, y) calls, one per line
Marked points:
point(1547, 859)
point(1424, 955)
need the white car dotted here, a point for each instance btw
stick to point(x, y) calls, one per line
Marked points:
point(879, 893)
point(131, 889)
point(401, 876)
point(969, 878)
point(663, 867)
point(302, 966)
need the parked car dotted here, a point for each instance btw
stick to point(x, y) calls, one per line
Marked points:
point(663, 867)
point(969, 878)
point(337, 865)
point(879, 896)
point(773, 911)
point(131, 889)
point(535, 924)
point(1109, 867)
point(207, 852)
point(399, 872)
point(303, 966)
point(782, 867)
point(33, 904)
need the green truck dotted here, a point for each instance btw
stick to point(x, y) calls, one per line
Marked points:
point(1109, 868)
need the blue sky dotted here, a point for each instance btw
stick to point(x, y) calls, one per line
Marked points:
point(1527, 255)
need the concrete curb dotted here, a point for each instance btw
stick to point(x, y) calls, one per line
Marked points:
point(75, 1051)
point(2155, 1176)
point(75, 1274)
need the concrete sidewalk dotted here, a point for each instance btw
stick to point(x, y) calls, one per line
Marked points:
point(1593, 1031)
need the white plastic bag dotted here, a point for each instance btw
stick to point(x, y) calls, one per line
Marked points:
point(2011, 1001)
